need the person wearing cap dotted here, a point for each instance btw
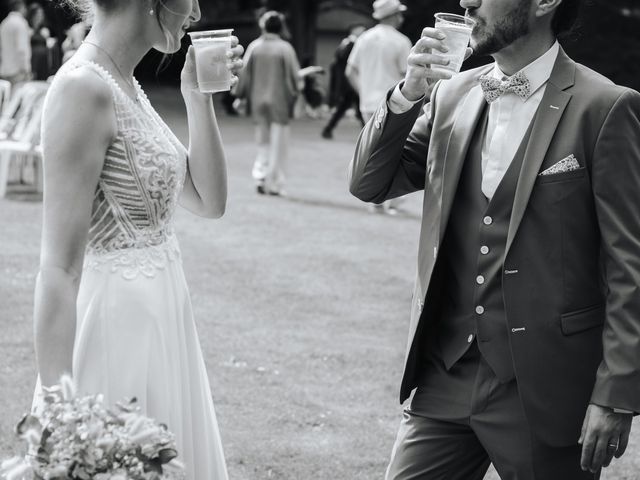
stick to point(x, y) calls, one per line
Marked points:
point(379, 57)
point(377, 62)
point(524, 343)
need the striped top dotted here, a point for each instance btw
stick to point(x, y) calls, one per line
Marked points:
point(138, 191)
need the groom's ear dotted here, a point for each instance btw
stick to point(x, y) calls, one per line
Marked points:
point(547, 7)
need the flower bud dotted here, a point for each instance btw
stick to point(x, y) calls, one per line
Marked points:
point(68, 388)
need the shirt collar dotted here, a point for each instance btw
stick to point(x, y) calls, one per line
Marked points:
point(539, 71)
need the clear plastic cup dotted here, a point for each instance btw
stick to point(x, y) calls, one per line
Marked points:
point(457, 29)
point(211, 49)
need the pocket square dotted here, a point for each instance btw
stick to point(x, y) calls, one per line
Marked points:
point(567, 164)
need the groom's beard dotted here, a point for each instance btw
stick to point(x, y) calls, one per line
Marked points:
point(487, 40)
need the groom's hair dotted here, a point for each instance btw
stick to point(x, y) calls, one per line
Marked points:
point(566, 17)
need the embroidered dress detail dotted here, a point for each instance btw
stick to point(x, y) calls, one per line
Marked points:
point(139, 188)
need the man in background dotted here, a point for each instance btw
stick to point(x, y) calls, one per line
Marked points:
point(379, 57)
point(377, 62)
point(344, 94)
point(15, 44)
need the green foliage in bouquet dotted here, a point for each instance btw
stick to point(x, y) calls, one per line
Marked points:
point(79, 438)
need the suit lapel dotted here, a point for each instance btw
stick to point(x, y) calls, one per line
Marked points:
point(457, 146)
point(546, 121)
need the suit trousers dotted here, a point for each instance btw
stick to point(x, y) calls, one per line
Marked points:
point(461, 420)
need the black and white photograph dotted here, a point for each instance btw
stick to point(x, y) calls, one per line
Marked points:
point(319, 239)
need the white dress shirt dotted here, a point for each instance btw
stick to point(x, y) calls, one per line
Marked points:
point(509, 118)
point(380, 58)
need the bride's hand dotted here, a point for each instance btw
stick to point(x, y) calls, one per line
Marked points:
point(235, 60)
point(189, 80)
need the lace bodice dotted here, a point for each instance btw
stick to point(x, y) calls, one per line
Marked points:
point(143, 173)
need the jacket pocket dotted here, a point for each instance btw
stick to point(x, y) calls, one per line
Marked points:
point(562, 176)
point(583, 319)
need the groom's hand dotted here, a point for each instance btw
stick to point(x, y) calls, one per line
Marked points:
point(605, 434)
point(427, 52)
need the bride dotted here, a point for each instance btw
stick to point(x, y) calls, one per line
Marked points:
point(111, 303)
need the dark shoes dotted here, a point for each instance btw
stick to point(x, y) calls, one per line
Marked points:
point(261, 190)
point(328, 134)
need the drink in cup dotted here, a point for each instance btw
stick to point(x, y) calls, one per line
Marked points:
point(458, 32)
point(211, 49)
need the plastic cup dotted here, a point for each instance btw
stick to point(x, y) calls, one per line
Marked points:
point(457, 29)
point(211, 49)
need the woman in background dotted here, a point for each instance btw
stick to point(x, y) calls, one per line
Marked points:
point(111, 302)
point(40, 65)
point(270, 83)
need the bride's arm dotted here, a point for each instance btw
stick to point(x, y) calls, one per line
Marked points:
point(205, 187)
point(75, 138)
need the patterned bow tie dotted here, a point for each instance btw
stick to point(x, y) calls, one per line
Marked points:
point(492, 88)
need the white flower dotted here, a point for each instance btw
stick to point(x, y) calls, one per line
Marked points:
point(33, 437)
point(19, 472)
point(144, 435)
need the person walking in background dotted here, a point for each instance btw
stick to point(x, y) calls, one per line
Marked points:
point(525, 318)
point(270, 83)
point(343, 95)
point(377, 62)
point(40, 35)
point(15, 44)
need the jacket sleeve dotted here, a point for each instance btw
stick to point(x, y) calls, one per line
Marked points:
point(391, 153)
point(616, 186)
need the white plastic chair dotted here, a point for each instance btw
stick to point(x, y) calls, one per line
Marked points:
point(20, 131)
point(5, 94)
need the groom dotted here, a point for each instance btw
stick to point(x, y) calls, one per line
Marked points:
point(524, 345)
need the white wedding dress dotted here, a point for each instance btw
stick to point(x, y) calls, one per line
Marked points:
point(136, 335)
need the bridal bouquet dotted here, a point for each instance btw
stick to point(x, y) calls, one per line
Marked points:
point(79, 438)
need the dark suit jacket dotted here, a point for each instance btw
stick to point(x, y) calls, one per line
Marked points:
point(572, 258)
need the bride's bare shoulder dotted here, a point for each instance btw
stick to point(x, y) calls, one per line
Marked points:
point(79, 107)
point(80, 86)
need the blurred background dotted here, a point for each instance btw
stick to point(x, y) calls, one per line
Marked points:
point(607, 38)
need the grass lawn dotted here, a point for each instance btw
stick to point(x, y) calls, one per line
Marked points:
point(302, 307)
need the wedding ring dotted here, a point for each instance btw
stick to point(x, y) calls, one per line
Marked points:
point(613, 446)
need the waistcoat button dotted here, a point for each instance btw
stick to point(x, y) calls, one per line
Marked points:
point(470, 339)
point(484, 250)
point(479, 279)
point(479, 309)
point(487, 220)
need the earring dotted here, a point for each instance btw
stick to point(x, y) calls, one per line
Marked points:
point(151, 12)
